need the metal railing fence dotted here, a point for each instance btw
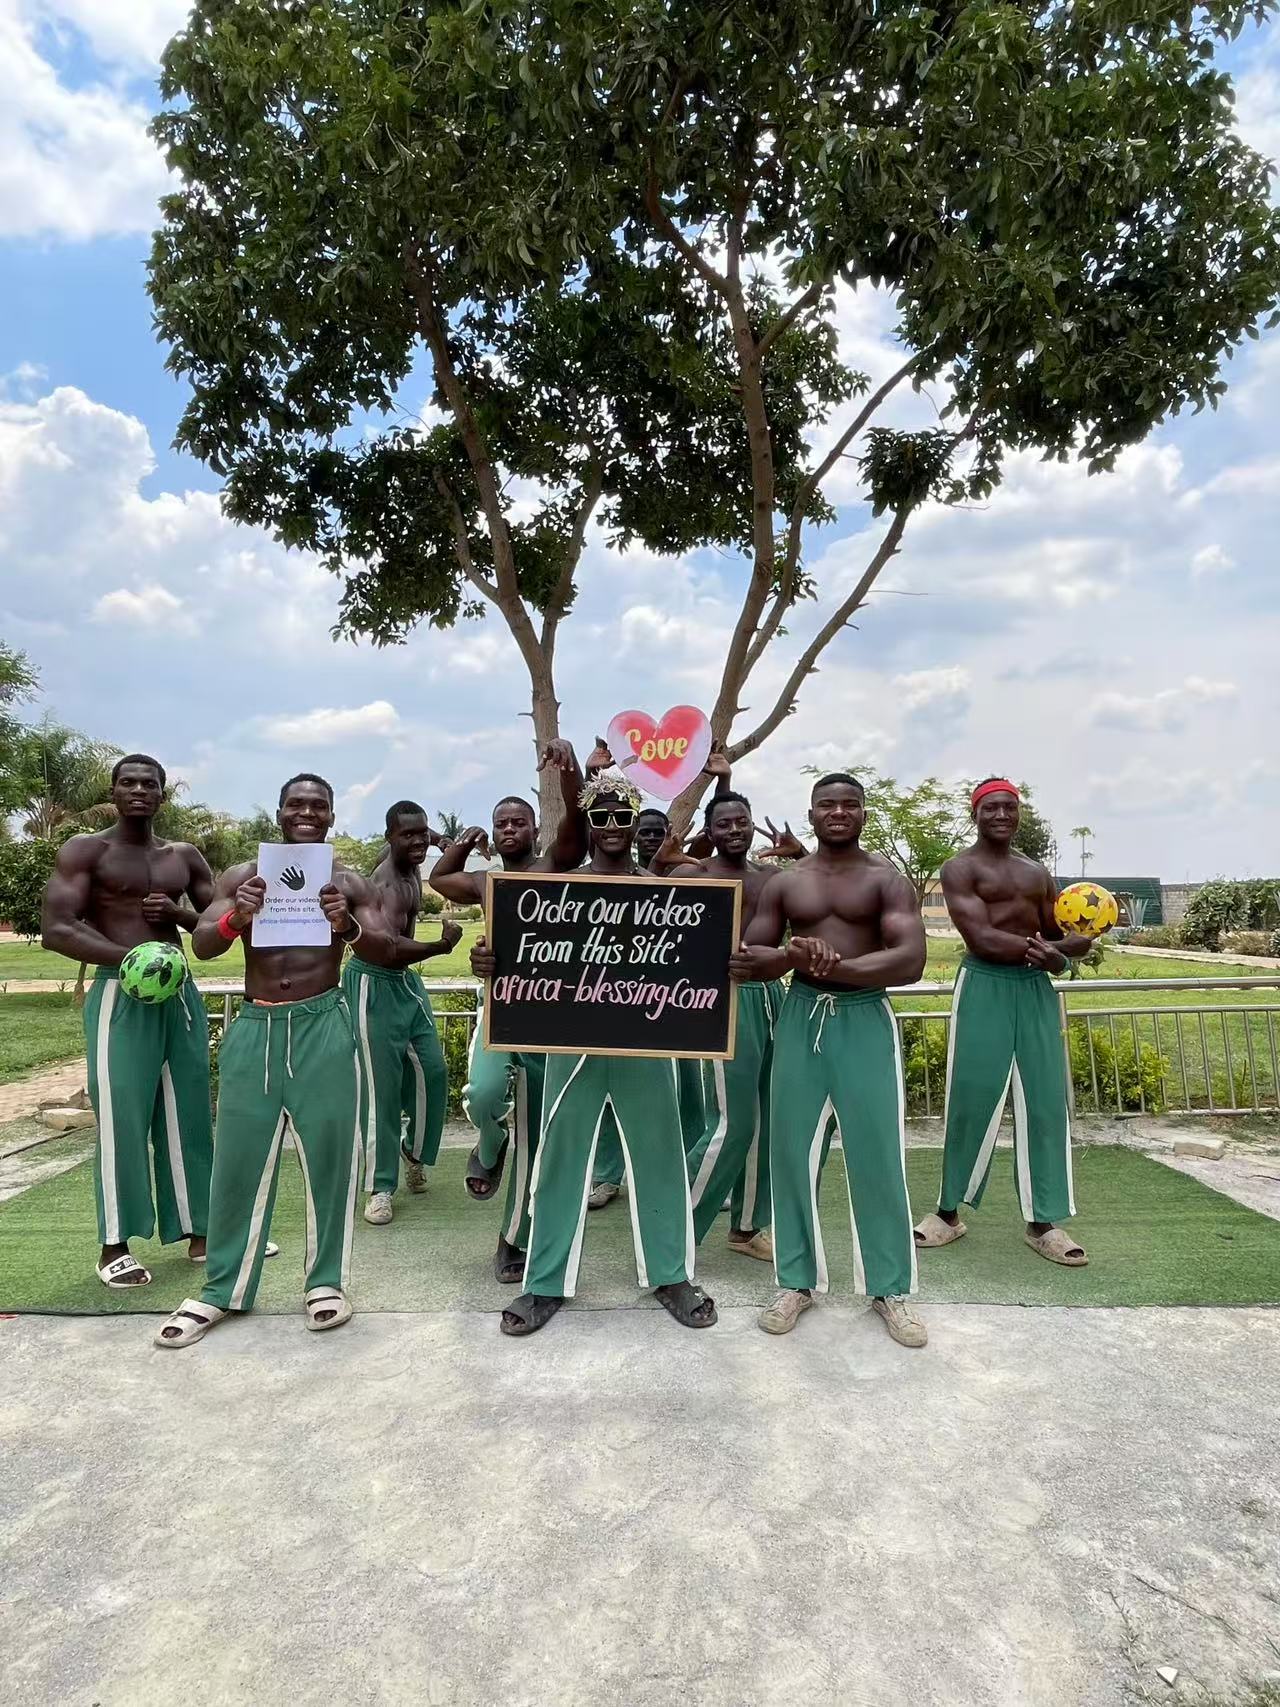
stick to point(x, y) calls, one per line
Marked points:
point(1179, 1058)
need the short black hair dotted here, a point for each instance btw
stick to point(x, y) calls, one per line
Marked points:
point(305, 776)
point(138, 759)
point(652, 812)
point(403, 809)
point(838, 776)
point(515, 800)
point(723, 800)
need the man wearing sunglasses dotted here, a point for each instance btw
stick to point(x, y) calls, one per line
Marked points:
point(500, 1086)
point(579, 1091)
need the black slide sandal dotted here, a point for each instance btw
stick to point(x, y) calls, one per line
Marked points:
point(508, 1264)
point(528, 1313)
point(684, 1301)
point(478, 1175)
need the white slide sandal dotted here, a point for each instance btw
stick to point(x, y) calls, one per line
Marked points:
point(193, 1318)
point(326, 1298)
point(112, 1273)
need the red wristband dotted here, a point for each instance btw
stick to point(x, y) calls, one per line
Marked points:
point(226, 930)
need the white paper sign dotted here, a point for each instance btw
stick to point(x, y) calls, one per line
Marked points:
point(291, 915)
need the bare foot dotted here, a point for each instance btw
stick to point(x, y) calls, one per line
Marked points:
point(196, 1247)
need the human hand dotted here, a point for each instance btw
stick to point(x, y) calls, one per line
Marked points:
point(333, 904)
point(558, 755)
point(249, 898)
point(450, 933)
point(160, 909)
point(483, 961)
point(474, 840)
point(810, 954)
point(1045, 956)
point(600, 758)
point(742, 964)
point(785, 844)
point(717, 765)
point(292, 878)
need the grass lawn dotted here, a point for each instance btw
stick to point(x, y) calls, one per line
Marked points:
point(36, 1031)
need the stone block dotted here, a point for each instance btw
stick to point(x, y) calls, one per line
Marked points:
point(66, 1119)
point(1209, 1149)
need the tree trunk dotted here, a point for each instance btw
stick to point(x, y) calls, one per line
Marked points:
point(546, 727)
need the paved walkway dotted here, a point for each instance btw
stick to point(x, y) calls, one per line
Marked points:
point(1041, 1508)
point(23, 1097)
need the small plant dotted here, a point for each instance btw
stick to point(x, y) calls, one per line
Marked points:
point(924, 1058)
point(1139, 1073)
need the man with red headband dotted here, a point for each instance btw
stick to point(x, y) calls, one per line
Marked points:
point(1006, 1033)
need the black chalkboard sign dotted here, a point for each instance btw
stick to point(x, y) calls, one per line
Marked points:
point(592, 965)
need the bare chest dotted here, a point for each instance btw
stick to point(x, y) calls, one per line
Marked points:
point(131, 874)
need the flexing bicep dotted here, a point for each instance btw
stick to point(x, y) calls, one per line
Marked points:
point(199, 881)
point(770, 920)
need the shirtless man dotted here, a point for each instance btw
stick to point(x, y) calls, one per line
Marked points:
point(1006, 1032)
point(288, 1061)
point(402, 1063)
point(148, 1065)
point(732, 1153)
point(501, 1085)
point(857, 928)
point(578, 1090)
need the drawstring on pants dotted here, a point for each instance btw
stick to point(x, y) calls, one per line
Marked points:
point(827, 1002)
point(288, 1051)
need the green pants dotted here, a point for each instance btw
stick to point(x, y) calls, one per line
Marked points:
point(503, 1087)
point(283, 1065)
point(403, 1078)
point(733, 1152)
point(1006, 1033)
point(691, 1097)
point(836, 1056)
point(149, 1079)
point(642, 1097)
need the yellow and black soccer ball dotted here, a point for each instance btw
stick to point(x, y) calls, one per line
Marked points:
point(1086, 908)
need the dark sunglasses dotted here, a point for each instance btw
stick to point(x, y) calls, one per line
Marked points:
point(611, 817)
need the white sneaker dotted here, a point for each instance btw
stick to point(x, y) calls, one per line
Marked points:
point(601, 1194)
point(378, 1211)
point(901, 1320)
point(415, 1177)
point(787, 1308)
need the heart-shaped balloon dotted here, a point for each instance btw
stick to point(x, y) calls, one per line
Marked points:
point(661, 758)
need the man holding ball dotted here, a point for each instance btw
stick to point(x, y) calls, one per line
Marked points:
point(148, 1062)
point(1006, 1033)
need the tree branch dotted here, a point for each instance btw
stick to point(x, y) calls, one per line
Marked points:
point(809, 299)
point(462, 541)
point(795, 527)
point(673, 234)
point(785, 702)
point(558, 605)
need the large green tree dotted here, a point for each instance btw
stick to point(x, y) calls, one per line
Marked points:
point(616, 231)
point(18, 682)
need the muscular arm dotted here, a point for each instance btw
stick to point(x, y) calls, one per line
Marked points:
point(763, 935)
point(207, 941)
point(63, 929)
point(901, 959)
point(447, 876)
point(569, 848)
point(199, 890)
point(971, 918)
point(408, 950)
point(377, 940)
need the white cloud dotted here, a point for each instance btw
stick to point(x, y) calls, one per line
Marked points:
point(942, 693)
point(348, 803)
point(1211, 560)
point(75, 162)
point(327, 724)
point(150, 606)
point(119, 32)
point(1159, 712)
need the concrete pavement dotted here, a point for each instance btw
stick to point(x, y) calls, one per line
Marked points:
point(1040, 1508)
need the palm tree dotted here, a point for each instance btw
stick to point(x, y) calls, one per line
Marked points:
point(66, 779)
point(1084, 833)
point(451, 827)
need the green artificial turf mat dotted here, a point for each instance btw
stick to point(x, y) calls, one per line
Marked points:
point(1154, 1236)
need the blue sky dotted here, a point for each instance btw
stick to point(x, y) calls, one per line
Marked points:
point(1110, 640)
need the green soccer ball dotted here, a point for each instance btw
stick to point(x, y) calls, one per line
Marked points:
point(152, 972)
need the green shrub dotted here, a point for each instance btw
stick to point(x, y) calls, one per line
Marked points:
point(924, 1057)
point(1141, 1072)
point(25, 868)
point(432, 905)
point(1158, 936)
point(455, 1042)
point(1250, 905)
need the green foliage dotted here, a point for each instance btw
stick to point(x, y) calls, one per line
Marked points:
point(924, 1059)
point(579, 209)
point(1252, 904)
point(25, 868)
point(455, 1041)
point(917, 827)
point(1035, 836)
point(224, 839)
point(360, 853)
point(1140, 1073)
point(18, 681)
point(432, 904)
point(59, 779)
